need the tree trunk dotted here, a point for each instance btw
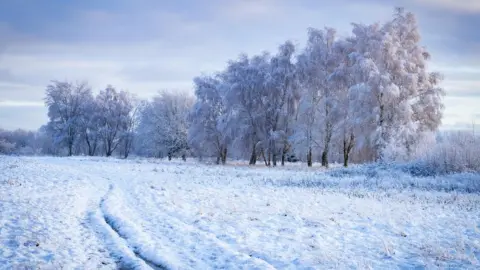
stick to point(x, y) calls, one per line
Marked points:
point(269, 158)
point(253, 157)
point(345, 158)
point(272, 154)
point(126, 152)
point(88, 145)
point(71, 140)
point(224, 156)
point(218, 159)
point(380, 145)
point(309, 157)
point(91, 151)
point(347, 148)
point(94, 147)
point(169, 156)
point(284, 153)
point(184, 157)
point(70, 148)
point(108, 148)
point(326, 148)
point(274, 158)
point(325, 158)
point(264, 158)
point(128, 145)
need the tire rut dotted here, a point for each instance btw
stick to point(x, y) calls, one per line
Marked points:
point(116, 230)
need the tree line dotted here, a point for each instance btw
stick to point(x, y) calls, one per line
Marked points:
point(361, 98)
point(370, 94)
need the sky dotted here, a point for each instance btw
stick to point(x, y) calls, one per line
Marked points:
point(144, 46)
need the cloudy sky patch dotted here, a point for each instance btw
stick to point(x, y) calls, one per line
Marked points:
point(145, 46)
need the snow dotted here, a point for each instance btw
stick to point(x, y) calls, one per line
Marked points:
point(98, 213)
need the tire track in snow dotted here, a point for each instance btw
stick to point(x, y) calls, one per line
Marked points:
point(171, 243)
point(115, 228)
point(207, 244)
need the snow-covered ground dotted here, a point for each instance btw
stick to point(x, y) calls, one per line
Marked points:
point(96, 213)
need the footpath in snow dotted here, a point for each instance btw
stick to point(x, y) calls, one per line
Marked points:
point(95, 213)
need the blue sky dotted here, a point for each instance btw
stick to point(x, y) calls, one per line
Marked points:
point(147, 45)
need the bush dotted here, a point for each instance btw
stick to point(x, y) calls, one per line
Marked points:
point(454, 152)
point(6, 147)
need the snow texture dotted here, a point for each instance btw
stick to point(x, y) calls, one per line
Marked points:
point(98, 213)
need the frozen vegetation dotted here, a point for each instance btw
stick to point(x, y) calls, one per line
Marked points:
point(99, 213)
point(366, 180)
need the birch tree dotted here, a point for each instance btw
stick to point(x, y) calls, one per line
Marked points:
point(246, 86)
point(316, 64)
point(283, 96)
point(208, 131)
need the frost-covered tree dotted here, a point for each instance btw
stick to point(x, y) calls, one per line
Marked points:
point(131, 125)
point(364, 97)
point(207, 133)
point(348, 106)
point(419, 108)
point(66, 104)
point(112, 117)
point(404, 95)
point(89, 126)
point(245, 100)
point(373, 85)
point(282, 95)
point(316, 65)
point(20, 142)
point(45, 141)
point(163, 125)
point(6, 147)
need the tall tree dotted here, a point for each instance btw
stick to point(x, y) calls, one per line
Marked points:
point(245, 99)
point(114, 109)
point(207, 132)
point(66, 104)
point(88, 126)
point(316, 64)
point(164, 122)
point(420, 98)
point(398, 82)
point(131, 125)
point(283, 96)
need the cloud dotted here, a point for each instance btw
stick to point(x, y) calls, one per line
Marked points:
point(5, 75)
point(20, 92)
point(467, 6)
point(147, 45)
point(457, 126)
point(12, 103)
point(244, 10)
point(30, 118)
point(462, 88)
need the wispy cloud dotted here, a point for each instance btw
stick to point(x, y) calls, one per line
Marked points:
point(148, 45)
point(13, 103)
point(469, 6)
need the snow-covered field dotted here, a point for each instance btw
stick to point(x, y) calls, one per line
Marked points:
point(96, 213)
